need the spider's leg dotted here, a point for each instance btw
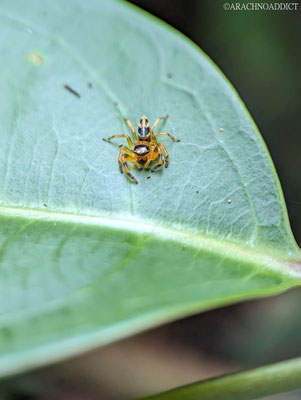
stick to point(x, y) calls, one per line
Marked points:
point(132, 128)
point(125, 155)
point(167, 134)
point(120, 159)
point(126, 168)
point(166, 155)
point(152, 156)
point(160, 160)
point(124, 149)
point(157, 121)
point(139, 166)
point(129, 140)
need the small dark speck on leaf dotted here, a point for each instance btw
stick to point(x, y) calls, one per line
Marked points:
point(89, 85)
point(45, 205)
point(115, 103)
point(170, 75)
point(148, 177)
point(74, 92)
point(197, 191)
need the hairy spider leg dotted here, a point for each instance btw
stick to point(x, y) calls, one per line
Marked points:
point(132, 128)
point(129, 153)
point(167, 134)
point(166, 155)
point(153, 138)
point(122, 161)
point(157, 121)
point(153, 155)
point(129, 140)
point(160, 159)
point(156, 153)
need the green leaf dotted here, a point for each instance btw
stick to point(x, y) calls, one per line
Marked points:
point(87, 257)
point(247, 385)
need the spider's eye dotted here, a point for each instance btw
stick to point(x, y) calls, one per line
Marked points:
point(144, 122)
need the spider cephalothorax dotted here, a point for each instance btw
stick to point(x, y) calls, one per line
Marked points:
point(145, 148)
point(143, 128)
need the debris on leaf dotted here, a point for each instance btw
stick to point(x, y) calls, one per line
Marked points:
point(74, 92)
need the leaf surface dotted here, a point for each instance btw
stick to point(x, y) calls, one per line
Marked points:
point(86, 256)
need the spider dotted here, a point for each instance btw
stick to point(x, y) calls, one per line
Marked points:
point(145, 148)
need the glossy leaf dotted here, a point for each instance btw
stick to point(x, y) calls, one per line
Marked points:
point(86, 256)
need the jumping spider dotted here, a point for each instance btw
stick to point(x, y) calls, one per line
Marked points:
point(145, 149)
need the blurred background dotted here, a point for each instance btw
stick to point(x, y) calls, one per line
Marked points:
point(260, 54)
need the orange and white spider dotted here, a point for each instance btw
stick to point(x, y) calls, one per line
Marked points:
point(145, 149)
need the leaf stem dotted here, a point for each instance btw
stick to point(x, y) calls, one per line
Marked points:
point(248, 385)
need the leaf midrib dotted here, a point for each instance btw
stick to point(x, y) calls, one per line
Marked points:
point(267, 258)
